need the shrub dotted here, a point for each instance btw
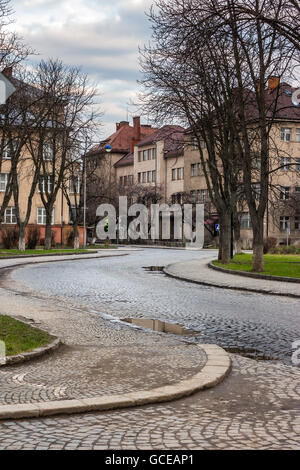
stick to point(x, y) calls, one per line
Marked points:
point(33, 237)
point(269, 244)
point(10, 238)
point(70, 238)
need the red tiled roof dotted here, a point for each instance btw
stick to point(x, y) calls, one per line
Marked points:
point(173, 137)
point(125, 161)
point(122, 139)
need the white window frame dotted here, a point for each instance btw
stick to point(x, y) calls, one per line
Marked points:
point(285, 193)
point(3, 184)
point(284, 222)
point(41, 216)
point(193, 169)
point(298, 135)
point(48, 152)
point(246, 221)
point(154, 176)
point(286, 134)
point(42, 184)
point(10, 215)
point(180, 173)
point(75, 185)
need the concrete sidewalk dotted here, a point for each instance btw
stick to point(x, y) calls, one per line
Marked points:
point(199, 272)
point(102, 364)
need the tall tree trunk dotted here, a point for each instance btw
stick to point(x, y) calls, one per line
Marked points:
point(76, 236)
point(237, 233)
point(225, 237)
point(48, 232)
point(258, 245)
point(22, 237)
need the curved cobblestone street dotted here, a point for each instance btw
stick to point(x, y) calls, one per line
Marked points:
point(256, 407)
point(122, 288)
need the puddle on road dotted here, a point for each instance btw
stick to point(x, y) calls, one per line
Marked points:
point(157, 269)
point(251, 354)
point(163, 327)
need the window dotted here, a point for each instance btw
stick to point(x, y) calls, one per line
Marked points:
point(149, 154)
point(144, 176)
point(286, 134)
point(202, 144)
point(246, 221)
point(3, 181)
point(284, 193)
point(297, 189)
point(140, 156)
point(46, 183)
point(121, 180)
point(256, 190)
point(297, 223)
point(145, 155)
point(174, 173)
point(139, 177)
point(284, 222)
point(201, 195)
point(154, 176)
point(8, 148)
point(125, 180)
point(130, 180)
point(285, 163)
point(10, 215)
point(199, 169)
point(179, 173)
point(193, 169)
point(72, 214)
point(194, 143)
point(74, 185)
point(193, 196)
point(297, 164)
point(297, 135)
point(154, 153)
point(41, 216)
point(48, 152)
point(149, 176)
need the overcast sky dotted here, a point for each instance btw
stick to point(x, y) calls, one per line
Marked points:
point(102, 36)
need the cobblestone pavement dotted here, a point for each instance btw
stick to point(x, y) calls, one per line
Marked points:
point(99, 357)
point(256, 407)
point(198, 271)
point(122, 288)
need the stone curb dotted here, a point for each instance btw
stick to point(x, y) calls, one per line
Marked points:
point(88, 252)
point(27, 356)
point(253, 275)
point(217, 367)
point(225, 286)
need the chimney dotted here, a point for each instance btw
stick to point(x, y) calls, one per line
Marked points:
point(137, 128)
point(123, 124)
point(8, 71)
point(273, 83)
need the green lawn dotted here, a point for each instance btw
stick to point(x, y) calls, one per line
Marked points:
point(20, 337)
point(4, 252)
point(275, 265)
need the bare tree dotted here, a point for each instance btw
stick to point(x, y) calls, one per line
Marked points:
point(211, 67)
point(68, 101)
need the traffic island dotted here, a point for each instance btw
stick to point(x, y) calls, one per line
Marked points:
point(21, 342)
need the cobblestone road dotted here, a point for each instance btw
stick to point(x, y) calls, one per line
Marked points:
point(256, 407)
point(122, 288)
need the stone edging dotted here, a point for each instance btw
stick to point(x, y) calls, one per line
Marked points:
point(88, 252)
point(254, 275)
point(225, 286)
point(218, 365)
point(27, 356)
